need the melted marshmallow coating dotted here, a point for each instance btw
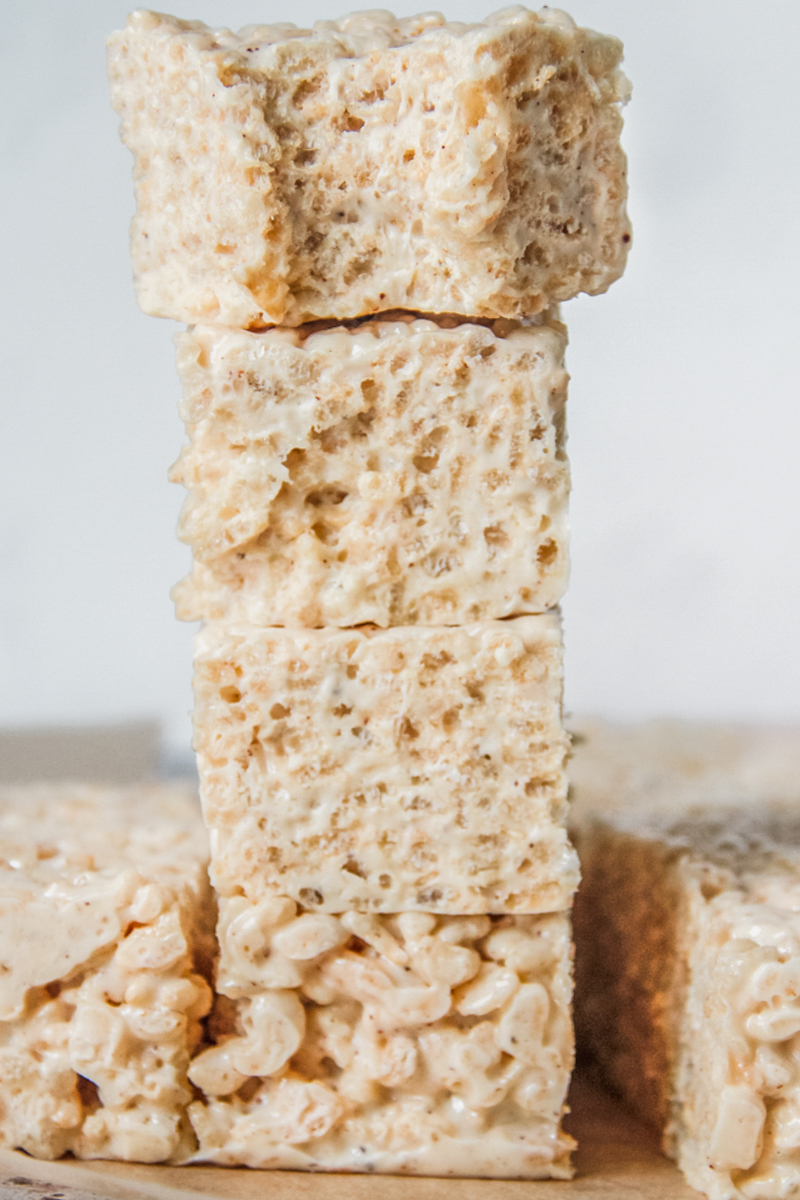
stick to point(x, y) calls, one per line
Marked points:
point(383, 770)
point(402, 1043)
point(395, 473)
point(106, 921)
point(371, 163)
point(688, 936)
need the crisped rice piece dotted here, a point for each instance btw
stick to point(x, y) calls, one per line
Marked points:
point(401, 1043)
point(688, 950)
point(399, 472)
point(406, 768)
point(106, 934)
point(371, 163)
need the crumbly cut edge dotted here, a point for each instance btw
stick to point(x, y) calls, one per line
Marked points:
point(445, 500)
point(93, 1060)
point(442, 751)
point(626, 1011)
point(253, 254)
point(705, 1009)
point(408, 1043)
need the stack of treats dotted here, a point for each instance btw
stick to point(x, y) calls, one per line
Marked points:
point(368, 227)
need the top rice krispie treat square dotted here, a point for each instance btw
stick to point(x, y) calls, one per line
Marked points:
point(371, 163)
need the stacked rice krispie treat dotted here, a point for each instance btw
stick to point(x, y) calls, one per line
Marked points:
point(370, 225)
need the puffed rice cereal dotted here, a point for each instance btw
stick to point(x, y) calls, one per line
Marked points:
point(371, 163)
point(400, 472)
point(386, 769)
point(106, 936)
point(414, 1043)
point(688, 953)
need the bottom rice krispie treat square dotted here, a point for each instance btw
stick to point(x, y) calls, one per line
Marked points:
point(413, 1043)
point(688, 951)
point(106, 934)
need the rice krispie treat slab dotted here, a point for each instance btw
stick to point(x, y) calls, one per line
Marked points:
point(688, 952)
point(384, 770)
point(671, 765)
point(396, 472)
point(371, 163)
point(405, 1043)
point(106, 921)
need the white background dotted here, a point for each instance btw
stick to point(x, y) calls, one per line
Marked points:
point(684, 413)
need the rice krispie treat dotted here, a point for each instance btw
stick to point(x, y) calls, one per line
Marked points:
point(405, 1043)
point(384, 770)
point(106, 932)
point(371, 163)
point(688, 951)
point(671, 765)
point(396, 472)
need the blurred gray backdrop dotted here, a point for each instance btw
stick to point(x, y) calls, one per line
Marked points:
point(684, 414)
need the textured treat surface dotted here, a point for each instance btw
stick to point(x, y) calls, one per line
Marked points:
point(688, 935)
point(406, 1042)
point(371, 163)
point(105, 921)
point(673, 766)
point(386, 769)
point(395, 473)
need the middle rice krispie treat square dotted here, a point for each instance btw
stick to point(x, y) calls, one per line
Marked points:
point(383, 770)
point(398, 472)
point(402, 1043)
